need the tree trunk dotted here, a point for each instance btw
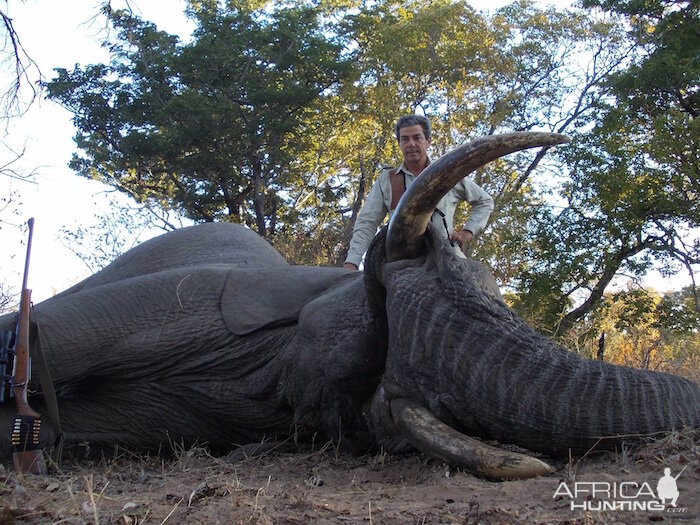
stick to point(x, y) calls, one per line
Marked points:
point(258, 195)
point(356, 207)
point(362, 191)
point(601, 347)
point(610, 269)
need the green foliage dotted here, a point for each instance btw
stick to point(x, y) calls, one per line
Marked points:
point(207, 127)
point(667, 72)
point(473, 76)
point(281, 116)
point(627, 206)
point(631, 201)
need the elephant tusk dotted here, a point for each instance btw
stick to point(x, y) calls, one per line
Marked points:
point(424, 431)
point(413, 212)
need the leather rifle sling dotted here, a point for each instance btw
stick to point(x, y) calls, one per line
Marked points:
point(398, 186)
point(47, 386)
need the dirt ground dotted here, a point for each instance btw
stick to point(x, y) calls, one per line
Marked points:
point(327, 486)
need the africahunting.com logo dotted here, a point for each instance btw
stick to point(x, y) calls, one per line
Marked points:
point(626, 495)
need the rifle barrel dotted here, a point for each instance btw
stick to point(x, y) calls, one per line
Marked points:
point(30, 224)
point(681, 472)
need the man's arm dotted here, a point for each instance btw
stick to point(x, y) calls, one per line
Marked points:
point(481, 203)
point(370, 217)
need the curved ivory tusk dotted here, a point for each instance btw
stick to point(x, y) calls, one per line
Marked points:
point(424, 431)
point(410, 220)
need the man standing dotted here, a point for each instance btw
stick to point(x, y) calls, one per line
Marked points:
point(413, 135)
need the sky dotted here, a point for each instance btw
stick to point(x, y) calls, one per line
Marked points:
point(58, 33)
point(63, 33)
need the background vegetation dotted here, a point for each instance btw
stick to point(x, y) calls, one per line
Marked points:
point(280, 116)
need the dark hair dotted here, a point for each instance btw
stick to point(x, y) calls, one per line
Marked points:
point(412, 120)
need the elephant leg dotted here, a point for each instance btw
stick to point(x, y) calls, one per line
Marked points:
point(97, 422)
point(157, 417)
point(135, 328)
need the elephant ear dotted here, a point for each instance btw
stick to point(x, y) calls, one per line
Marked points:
point(254, 299)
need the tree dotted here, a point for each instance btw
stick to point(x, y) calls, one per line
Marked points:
point(358, 138)
point(18, 95)
point(21, 91)
point(206, 127)
point(660, 92)
point(667, 71)
point(632, 199)
point(472, 76)
point(643, 329)
point(550, 68)
point(222, 128)
point(15, 97)
point(118, 228)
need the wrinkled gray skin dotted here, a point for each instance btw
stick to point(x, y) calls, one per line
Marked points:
point(207, 335)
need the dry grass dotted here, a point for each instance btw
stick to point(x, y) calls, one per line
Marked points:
point(681, 447)
point(324, 486)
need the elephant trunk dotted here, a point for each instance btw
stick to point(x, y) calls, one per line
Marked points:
point(482, 370)
point(548, 399)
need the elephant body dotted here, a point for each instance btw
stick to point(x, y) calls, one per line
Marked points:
point(206, 335)
point(193, 352)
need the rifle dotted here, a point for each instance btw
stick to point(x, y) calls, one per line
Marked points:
point(26, 454)
point(681, 472)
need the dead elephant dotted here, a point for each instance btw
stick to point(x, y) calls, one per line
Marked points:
point(207, 335)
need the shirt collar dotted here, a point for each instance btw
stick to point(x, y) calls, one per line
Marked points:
point(402, 168)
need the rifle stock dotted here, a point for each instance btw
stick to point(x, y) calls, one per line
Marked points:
point(26, 454)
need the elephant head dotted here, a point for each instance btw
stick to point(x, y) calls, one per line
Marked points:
point(206, 334)
point(460, 362)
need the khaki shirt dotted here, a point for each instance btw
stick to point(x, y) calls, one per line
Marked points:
point(376, 209)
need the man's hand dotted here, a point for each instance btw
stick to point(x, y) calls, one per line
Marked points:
point(462, 237)
point(349, 266)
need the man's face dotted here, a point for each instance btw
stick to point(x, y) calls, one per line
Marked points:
point(413, 144)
